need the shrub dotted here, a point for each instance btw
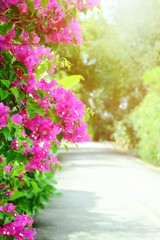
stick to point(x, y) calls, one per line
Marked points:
point(36, 113)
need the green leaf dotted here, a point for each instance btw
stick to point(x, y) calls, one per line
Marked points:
point(59, 137)
point(7, 55)
point(14, 10)
point(30, 26)
point(30, 4)
point(54, 117)
point(54, 147)
point(42, 40)
point(10, 238)
point(74, 13)
point(29, 193)
point(8, 220)
point(70, 81)
point(12, 76)
point(42, 68)
point(35, 186)
point(6, 83)
point(28, 183)
point(44, 3)
point(15, 92)
point(52, 46)
point(11, 156)
point(17, 195)
point(6, 133)
point(21, 96)
point(3, 94)
point(5, 28)
point(8, 214)
point(20, 65)
point(1, 215)
point(28, 131)
point(32, 114)
point(20, 157)
point(33, 108)
point(41, 93)
point(68, 20)
point(18, 32)
point(30, 36)
point(66, 147)
point(16, 183)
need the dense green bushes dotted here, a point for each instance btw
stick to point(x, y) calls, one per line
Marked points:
point(139, 131)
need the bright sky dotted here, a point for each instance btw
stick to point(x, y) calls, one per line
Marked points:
point(106, 6)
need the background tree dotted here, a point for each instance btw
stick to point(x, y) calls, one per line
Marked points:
point(117, 50)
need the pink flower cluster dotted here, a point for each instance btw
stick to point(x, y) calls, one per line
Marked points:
point(67, 112)
point(58, 29)
point(67, 107)
point(31, 58)
point(40, 113)
point(5, 3)
point(14, 144)
point(17, 118)
point(9, 208)
point(3, 115)
point(19, 228)
point(67, 34)
point(39, 158)
point(8, 168)
point(71, 111)
point(81, 4)
point(62, 112)
point(43, 131)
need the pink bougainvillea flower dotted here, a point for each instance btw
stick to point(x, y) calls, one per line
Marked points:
point(14, 144)
point(2, 186)
point(23, 8)
point(17, 118)
point(1, 159)
point(17, 228)
point(8, 168)
point(9, 208)
point(41, 159)
point(3, 115)
point(20, 176)
point(8, 193)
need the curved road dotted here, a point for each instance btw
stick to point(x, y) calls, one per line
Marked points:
point(106, 196)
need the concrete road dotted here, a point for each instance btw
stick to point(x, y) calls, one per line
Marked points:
point(106, 196)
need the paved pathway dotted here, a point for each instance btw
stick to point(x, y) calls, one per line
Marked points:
point(106, 196)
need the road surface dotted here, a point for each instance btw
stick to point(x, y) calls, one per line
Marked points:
point(106, 196)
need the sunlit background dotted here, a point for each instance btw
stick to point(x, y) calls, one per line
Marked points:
point(109, 195)
point(119, 61)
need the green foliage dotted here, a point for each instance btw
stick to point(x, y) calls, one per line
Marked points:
point(37, 190)
point(139, 131)
point(146, 117)
point(151, 79)
point(70, 81)
point(108, 79)
point(44, 3)
point(120, 137)
point(5, 28)
point(33, 108)
point(145, 120)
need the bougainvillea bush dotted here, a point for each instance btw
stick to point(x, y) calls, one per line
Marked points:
point(36, 113)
